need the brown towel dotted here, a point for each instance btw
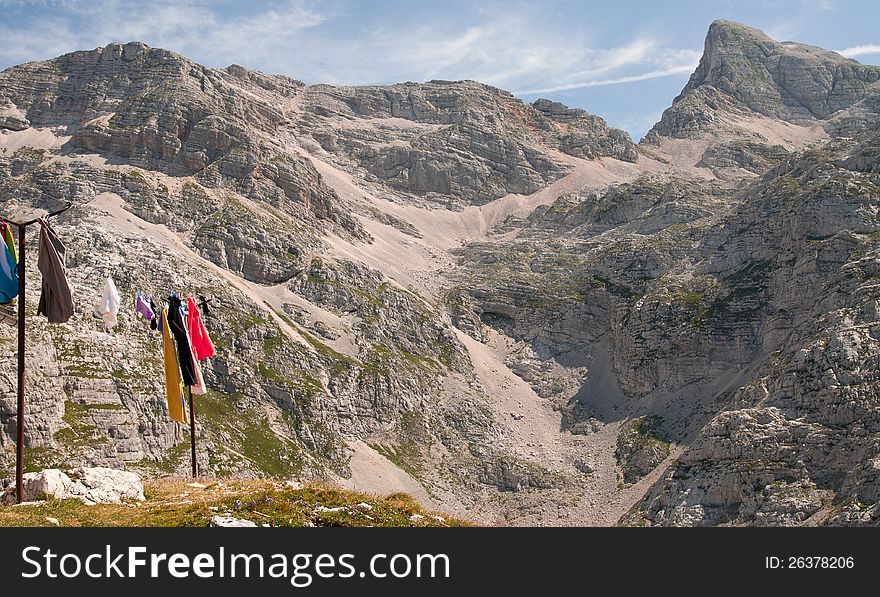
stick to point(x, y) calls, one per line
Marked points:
point(56, 299)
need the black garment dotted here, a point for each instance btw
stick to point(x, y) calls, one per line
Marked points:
point(56, 299)
point(184, 351)
point(203, 304)
point(154, 323)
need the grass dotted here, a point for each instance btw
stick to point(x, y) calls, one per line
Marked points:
point(412, 441)
point(339, 363)
point(691, 298)
point(173, 458)
point(79, 431)
point(174, 504)
point(249, 434)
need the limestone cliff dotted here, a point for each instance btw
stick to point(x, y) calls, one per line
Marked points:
point(504, 307)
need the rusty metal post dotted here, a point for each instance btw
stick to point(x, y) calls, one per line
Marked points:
point(192, 432)
point(19, 445)
point(22, 272)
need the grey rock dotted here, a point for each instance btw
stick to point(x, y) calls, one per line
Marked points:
point(325, 331)
point(512, 475)
point(92, 485)
point(787, 80)
point(230, 521)
point(587, 136)
point(639, 448)
point(584, 467)
point(743, 70)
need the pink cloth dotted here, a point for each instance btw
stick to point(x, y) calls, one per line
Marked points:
point(202, 347)
point(199, 388)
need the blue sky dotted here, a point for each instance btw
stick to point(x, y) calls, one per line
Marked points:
point(623, 60)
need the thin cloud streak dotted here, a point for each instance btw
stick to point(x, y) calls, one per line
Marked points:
point(655, 74)
point(508, 50)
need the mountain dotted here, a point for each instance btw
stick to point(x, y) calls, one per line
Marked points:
point(505, 309)
point(737, 111)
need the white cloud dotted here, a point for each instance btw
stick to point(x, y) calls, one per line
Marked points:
point(511, 52)
point(654, 74)
point(192, 28)
point(860, 50)
point(511, 49)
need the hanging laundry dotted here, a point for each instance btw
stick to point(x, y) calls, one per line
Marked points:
point(199, 387)
point(154, 323)
point(203, 304)
point(56, 298)
point(109, 306)
point(202, 346)
point(6, 231)
point(8, 276)
point(8, 315)
point(142, 307)
point(173, 388)
point(178, 329)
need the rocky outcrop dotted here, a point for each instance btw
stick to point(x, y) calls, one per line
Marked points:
point(91, 485)
point(456, 142)
point(743, 71)
point(583, 135)
point(159, 111)
point(757, 158)
point(746, 312)
point(640, 448)
point(509, 475)
point(789, 81)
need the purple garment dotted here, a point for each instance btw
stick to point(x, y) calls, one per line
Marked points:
point(143, 307)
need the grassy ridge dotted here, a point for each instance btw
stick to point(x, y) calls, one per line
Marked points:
point(174, 504)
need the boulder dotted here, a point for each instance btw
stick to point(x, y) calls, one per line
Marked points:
point(230, 521)
point(92, 485)
point(106, 485)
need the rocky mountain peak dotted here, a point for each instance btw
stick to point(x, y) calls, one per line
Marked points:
point(791, 81)
point(745, 74)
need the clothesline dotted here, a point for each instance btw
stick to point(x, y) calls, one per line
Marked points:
point(185, 339)
point(56, 297)
point(57, 308)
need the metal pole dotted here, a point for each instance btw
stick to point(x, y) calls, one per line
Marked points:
point(22, 271)
point(19, 446)
point(192, 432)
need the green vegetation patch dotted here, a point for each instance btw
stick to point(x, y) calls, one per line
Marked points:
point(413, 441)
point(262, 502)
point(248, 433)
point(80, 432)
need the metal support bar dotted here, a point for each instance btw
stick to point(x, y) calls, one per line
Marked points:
point(19, 442)
point(22, 272)
point(192, 432)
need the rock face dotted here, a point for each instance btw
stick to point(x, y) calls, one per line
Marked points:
point(698, 313)
point(743, 70)
point(786, 80)
point(738, 108)
point(582, 134)
point(454, 139)
point(639, 449)
point(92, 485)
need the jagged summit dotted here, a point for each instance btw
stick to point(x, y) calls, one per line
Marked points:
point(791, 81)
point(744, 70)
